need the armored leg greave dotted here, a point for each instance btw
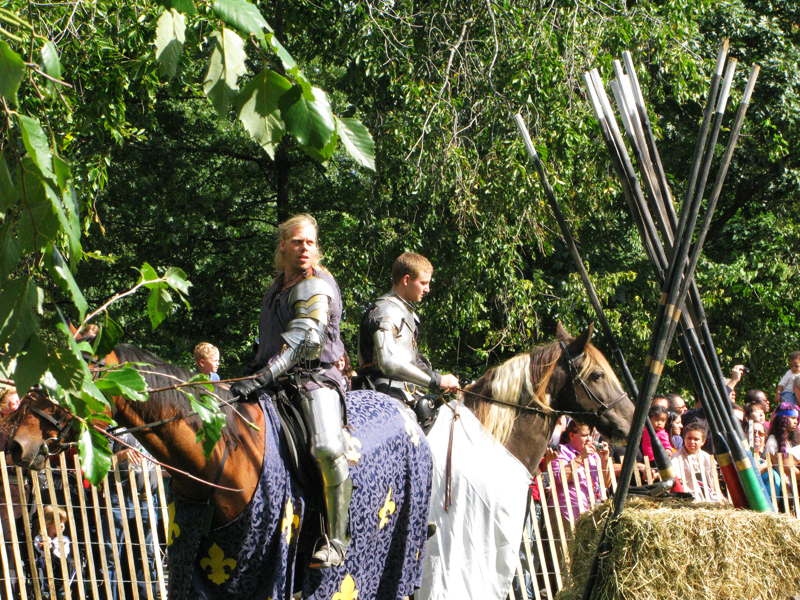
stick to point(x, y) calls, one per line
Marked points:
point(323, 414)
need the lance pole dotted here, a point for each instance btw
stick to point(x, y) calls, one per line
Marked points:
point(663, 462)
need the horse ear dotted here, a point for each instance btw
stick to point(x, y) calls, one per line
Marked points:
point(562, 334)
point(583, 339)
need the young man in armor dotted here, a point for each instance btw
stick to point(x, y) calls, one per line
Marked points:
point(298, 346)
point(389, 360)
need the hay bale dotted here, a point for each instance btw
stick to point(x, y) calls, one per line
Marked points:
point(679, 550)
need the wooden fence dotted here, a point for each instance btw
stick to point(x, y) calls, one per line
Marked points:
point(90, 519)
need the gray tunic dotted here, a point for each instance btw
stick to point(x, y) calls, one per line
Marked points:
point(275, 316)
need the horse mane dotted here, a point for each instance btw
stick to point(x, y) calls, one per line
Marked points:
point(158, 373)
point(521, 379)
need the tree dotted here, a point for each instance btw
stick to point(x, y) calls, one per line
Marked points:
point(43, 201)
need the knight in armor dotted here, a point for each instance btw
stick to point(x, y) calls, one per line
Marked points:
point(389, 360)
point(298, 346)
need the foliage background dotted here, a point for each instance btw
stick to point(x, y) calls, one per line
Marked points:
point(163, 178)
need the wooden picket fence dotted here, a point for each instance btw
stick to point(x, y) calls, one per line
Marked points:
point(540, 571)
point(91, 533)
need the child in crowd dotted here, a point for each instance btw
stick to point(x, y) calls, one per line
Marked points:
point(674, 428)
point(781, 441)
point(785, 386)
point(207, 358)
point(696, 467)
point(658, 417)
point(55, 519)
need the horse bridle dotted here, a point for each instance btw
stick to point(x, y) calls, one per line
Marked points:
point(63, 426)
point(575, 379)
point(575, 376)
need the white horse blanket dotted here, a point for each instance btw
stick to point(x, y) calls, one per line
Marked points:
point(474, 552)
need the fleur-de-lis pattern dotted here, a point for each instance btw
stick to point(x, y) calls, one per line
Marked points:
point(348, 590)
point(265, 550)
point(291, 522)
point(387, 509)
point(352, 447)
point(174, 529)
point(218, 568)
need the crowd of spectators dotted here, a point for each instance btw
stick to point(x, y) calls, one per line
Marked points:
point(580, 468)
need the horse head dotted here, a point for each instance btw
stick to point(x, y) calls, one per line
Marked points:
point(587, 387)
point(41, 429)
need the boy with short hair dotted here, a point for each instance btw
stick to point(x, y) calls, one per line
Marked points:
point(207, 358)
point(55, 519)
point(785, 391)
point(697, 468)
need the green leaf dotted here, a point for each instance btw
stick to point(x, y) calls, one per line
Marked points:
point(182, 6)
point(39, 219)
point(68, 370)
point(357, 141)
point(158, 304)
point(257, 107)
point(149, 274)
point(69, 218)
point(20, 313)
point(170, 37)
point(107, 340)
point(225, 67)
point(213, 419)
point(62, 275)
point(62, 170)
point(95, 454)
point(37, 144)
point(324, 155)
point(8, 191)
point(10, 250)
point(12, 71)
point(309, 119)
point(126, 382)
point(31, 364)
point(288, 62)
point(202, 381)
point(50, 64)
point(176, 279)
point(93, 397)
point(241, 15)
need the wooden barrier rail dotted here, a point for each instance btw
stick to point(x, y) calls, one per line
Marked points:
point(89, 560)
point(27, 573)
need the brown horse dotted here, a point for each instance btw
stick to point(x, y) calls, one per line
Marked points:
point(261, 522)
point(520, 401)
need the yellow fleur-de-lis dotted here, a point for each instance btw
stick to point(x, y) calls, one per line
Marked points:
point(215, 565)
point(174, 529)
point(388, 508)
point(290, 522)
point(347, 591)
point(352, 447)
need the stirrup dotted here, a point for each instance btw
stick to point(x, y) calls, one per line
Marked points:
point(330, 554)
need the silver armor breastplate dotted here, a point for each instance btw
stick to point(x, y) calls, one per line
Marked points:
point(395, 343)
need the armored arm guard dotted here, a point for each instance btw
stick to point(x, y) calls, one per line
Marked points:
point(396, 363)
point(396, 346)
point(305, 336)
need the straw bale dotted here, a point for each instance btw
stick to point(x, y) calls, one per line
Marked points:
point(679, 549)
